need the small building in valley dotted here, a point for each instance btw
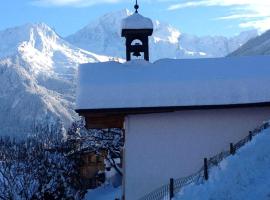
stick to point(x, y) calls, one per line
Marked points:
point(174, 112)
point(91, 167)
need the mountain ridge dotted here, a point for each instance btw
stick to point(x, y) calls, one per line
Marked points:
point(257, 46)
point(167, 41)
point(38, 78)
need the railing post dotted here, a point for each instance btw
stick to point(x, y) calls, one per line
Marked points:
point(205, 169)
point(232, 149)
point(250, 135)
point(171, 188)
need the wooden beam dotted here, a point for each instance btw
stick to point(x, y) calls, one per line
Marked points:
point(104, 122)
point(114, 117)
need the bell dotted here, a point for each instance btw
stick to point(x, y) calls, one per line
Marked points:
point(137, 48)
point(137, 54)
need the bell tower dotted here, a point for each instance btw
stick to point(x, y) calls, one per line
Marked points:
point(137, 29)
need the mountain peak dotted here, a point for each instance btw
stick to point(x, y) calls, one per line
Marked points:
point(38, 76)
point(26, 28)
point(103, 36)
point(37, 35)
point(40, 25)
point(112, 19)
point(120, 14)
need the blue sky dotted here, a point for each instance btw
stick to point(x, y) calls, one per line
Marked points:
point(198, 17)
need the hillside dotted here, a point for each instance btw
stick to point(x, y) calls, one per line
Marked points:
point(256, 46)
point(245, 175)
point(103, 193)
point(38, 72)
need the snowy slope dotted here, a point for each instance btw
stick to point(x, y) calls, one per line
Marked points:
point(215, 46)
point(245, 175)
point(38, 71)
point(103, 37)
point(257, 46)
point(24, 103)
point(104, 193)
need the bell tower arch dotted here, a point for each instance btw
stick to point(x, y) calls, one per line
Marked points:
point(137, 28)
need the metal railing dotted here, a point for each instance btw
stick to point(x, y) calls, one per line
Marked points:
point(167, 192)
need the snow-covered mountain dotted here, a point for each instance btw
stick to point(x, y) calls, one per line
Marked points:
point(256, 46)
point(103, 36)
point(214, 46)
point(37, 78)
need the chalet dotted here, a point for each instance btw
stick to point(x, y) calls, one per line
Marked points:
point(174, 112)
point(91, 167)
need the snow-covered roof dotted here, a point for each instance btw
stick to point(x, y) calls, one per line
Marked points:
point(170, 82)
point(137, 21)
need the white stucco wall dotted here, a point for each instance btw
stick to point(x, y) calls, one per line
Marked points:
point(173, 145)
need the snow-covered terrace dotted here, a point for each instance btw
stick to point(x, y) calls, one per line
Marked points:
point(174, 83)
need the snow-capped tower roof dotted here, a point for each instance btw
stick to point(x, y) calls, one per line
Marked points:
point(136, 29)
point(137, 21)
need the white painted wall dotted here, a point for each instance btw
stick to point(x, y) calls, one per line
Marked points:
point(173, 145)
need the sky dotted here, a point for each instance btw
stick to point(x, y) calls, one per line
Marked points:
point(198, 17)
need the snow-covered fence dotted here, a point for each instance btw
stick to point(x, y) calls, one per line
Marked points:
point(161, 193)
point(166, 192)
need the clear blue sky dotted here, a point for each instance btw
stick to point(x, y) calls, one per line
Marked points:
point(199, 17)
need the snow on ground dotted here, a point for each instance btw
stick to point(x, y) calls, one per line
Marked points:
point(104, 193)
point(245, 175)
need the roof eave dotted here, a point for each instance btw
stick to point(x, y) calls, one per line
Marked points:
point(162, 109)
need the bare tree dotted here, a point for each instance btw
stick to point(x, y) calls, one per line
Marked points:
point(37, 168)
point(110, 140)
